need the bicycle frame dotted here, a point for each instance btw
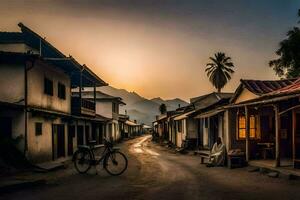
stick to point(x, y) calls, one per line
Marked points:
point(104, 153)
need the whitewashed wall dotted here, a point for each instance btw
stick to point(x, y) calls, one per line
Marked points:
point(181, 135)
point(104, 109)
point(36, 96)
point(12, 81)
point(40, 146)
point(205, 133)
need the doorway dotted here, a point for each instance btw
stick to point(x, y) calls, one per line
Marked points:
point(71, 135)
point(6, 127)
point(213, 130)
point(58, 141)
point(101, 134)
point(80, 135)
point(297, 142)
point(87, 134)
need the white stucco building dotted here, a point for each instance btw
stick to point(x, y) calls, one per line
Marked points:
point(107, 106)
point(36, 104)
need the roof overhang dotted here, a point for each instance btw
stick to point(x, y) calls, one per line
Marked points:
point(209, 113)
point(264, 101)
point(184, 115)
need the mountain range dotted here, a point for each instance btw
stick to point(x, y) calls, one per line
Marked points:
point(140, 108)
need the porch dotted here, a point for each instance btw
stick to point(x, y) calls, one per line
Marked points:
point(269, 133)
point(286, 167)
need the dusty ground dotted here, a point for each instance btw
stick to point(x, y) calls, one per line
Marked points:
point(156, 173)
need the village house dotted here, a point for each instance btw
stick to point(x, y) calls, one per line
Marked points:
point(164, 124)
point(210, 121)
point(184, 128)
point(161, 126)
point(263, 122)
point(107, 107)
point(132, 128)
point(122, 119)
point(193, 131)
point(36, 108)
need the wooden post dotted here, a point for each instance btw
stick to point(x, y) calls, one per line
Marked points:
point(294, 135)
point(277, 135)
point(80, 84)
point(95, 97)
point(247, 133)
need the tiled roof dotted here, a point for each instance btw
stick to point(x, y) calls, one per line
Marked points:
point(293, 88)
point(260, 87)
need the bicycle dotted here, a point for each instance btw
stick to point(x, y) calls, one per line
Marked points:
point(114, 162)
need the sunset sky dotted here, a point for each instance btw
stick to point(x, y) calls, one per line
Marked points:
point(159, 47)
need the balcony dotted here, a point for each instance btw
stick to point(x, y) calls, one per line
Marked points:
point(83, 107)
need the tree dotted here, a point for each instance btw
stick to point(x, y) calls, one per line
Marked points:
point(219, 70)
point(162, 108)
point(288, 63)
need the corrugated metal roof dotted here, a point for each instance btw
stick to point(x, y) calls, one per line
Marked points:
point(290, 88)
point(260, 87)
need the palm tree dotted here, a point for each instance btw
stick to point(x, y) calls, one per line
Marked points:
point(162, 108)
point(219, 70)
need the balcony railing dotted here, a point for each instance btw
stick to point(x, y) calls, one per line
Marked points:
point(83, 106)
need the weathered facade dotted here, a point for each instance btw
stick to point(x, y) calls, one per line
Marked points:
point(265, 126)
point(211, 123)
point(36, 102)
point(107, 107)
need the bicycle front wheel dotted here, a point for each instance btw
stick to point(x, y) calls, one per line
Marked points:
point(115, 163)
point(82, 161)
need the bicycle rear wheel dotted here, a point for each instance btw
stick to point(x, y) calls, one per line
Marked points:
point(115, 163)
point(82, 161)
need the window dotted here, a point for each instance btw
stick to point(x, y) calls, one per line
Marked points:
point(61, 89)
point(115, 107)
point(242, 127)
point(179, 126)
point(48, 87)
point(38, 128)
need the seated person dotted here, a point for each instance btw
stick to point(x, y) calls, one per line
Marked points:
point(217, 155)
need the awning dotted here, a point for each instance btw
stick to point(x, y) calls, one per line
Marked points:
point(130, 123)
point(184, 115)
point(209, 114)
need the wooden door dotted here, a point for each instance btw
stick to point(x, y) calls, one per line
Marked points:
point(61, 141)
point(87, 135)
point(80, 137)
point(58, 141)
point(71, 135)
point(296, 140)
